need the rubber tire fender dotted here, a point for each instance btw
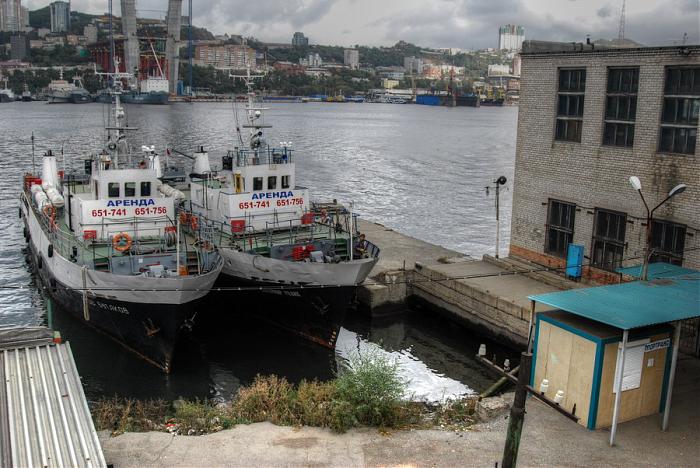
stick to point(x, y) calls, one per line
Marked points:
point(49, 251)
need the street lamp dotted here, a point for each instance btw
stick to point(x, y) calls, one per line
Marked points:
point(498, 182)
point(637, 185)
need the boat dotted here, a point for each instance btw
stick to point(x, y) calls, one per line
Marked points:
point(299, 262)
point(26, 94)
point(108, 246)
point(6, 94)
point(61, 91)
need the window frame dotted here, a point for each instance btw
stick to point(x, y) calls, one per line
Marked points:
point(690, 96)
point(258, 183)
point(551, 228)
point(620, 95)
point(607, 241)
point(141, 190)
point(110, 187)
point(567, 120)
point(272, 182)
point(674, 256)
point(285, 181)
point(129, 187)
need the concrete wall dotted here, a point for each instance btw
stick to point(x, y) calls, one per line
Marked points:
point(589, 173)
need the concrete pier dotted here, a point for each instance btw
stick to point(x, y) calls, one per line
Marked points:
point(490, 293)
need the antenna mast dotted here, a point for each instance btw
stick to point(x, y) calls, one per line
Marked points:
point(621, 29)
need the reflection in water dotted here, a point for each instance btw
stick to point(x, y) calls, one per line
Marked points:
point(418, 169)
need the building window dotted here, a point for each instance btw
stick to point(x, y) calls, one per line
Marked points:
point(145, 189)
point(560, 227)
point(679, 118)
point(608, 239)
point(272, 182)
point(130, 189)
point(285, 181)
point(667, 242)
point(621, 106)
point(572, 86)
point(113, 190)
point(257, 183)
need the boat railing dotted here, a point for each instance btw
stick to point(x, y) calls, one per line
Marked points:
point(260, 156)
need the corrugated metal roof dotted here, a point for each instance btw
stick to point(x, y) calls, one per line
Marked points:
point(632, 305)
point(658, 270)
point(44, 418)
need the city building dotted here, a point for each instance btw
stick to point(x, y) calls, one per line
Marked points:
point(589, 119)
point(43, 32)
point(517, 65)
point(389, 83)
point(19, 47)
point(224, 56)
point(13, 16)
point(351, 58)
point(498, 70)
point(392, 73)
point(299, 40)
point(413, 65)
point(60, 16)
point(510, 37)
point(90, 33)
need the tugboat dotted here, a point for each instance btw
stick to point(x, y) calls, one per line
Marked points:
point(109, 248)
point(61, 91)
point(305, 259)
point(26, 94)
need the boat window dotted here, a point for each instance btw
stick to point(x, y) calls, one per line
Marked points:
point(130, 189)
point(145, 189)
point(113, 190)
point(285, 181)
point(257, 183)
point(272, 182)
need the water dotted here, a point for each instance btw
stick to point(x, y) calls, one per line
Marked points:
point(418, 169)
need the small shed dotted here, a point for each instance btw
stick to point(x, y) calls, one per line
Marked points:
point(599, 339)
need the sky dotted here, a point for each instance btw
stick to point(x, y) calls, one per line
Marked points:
point(465, 24)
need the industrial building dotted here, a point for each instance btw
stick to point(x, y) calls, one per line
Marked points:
point(511, 37)
point(60, 16)
point(590, 119)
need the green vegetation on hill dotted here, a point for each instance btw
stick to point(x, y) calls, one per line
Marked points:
point(40, 18)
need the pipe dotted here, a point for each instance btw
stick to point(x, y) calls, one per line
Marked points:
point(672, 375)
point(618, 385)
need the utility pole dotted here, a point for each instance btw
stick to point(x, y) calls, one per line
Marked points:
point(517, 413)
point(498, 182)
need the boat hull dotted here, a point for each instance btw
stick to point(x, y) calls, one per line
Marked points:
point(145, 98)
point(145, 315)
point(312, 313)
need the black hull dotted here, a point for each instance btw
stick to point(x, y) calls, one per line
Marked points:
point(148, 330)
point(315, 314)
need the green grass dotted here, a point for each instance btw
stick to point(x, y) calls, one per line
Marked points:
point(368, 391)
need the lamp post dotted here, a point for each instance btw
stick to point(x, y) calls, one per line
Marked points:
point(497, 183)
point(637, 185)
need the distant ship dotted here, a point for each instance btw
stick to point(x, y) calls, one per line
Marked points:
point(61, 91)
point(6, 94)
point(26, 94)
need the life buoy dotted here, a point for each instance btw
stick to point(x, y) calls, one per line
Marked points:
point(184, 217)
point(121, 242)
point(50, 212)
point(194, 222)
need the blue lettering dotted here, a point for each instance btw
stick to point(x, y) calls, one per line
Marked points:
point(110, 203)
point(255, 196)
point(151, 202)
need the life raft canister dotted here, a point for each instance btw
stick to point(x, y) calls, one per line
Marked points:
point(121, 242)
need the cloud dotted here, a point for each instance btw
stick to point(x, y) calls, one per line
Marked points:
point(433, 23)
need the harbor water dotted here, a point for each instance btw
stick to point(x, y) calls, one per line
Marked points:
point(420, 170)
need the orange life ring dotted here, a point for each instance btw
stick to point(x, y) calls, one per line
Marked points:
point(121, 242)
point(184, 217)
point(194, 222)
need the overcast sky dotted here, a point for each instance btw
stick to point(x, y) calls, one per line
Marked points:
point(431, 23)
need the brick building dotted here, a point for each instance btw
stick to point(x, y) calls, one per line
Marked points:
point(589, 119)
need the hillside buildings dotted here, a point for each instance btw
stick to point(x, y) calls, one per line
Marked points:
point(589, 119)
point(19, 47)
point(351, 58)
point(60, 16)
point(511, 37)
point(413, 65)
point(224, 56)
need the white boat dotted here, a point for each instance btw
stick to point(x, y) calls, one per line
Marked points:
point(61, 91)
point(305, 259)
point(109, 248)
point(6, 94)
